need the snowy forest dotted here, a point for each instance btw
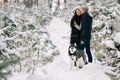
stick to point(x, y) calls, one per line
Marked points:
point(35, 34)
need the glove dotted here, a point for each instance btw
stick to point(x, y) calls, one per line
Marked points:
point(82, 42)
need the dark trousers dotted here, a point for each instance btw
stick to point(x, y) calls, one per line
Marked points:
point(86, 45)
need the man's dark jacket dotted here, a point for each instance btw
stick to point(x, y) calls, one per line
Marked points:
point(86, 26)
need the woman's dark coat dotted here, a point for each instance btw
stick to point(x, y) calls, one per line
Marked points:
point(75, 33)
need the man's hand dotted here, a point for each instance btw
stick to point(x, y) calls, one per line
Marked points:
point(83, 37)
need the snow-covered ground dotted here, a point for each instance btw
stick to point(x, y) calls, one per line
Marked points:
point(59, 69)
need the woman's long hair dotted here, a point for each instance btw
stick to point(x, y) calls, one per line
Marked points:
point(76, 17)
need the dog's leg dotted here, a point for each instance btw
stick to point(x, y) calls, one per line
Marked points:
point(84, 58)
point(80, 63)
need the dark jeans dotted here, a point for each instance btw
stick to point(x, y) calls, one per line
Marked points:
point(86, 45)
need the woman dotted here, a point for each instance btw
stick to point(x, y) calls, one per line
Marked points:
point(76, 27)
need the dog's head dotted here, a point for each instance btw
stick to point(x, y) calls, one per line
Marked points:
point(72, 48)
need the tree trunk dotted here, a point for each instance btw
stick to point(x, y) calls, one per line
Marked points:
point(50, 3)
point(5, 1)
point(65, 1)
point(25, 2)
point(29, 3)
point(36, 2)
point(119, 1)
point(58, 2)
point(17, 1)
point(87, 1)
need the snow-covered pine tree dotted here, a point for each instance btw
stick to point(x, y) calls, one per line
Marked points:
point(119, 1)
point(4, 68)
point(105, 27)
point(24, 36)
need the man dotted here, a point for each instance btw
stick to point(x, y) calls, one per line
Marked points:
point(86, 28)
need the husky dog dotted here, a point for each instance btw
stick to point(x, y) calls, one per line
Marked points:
point(77, 57)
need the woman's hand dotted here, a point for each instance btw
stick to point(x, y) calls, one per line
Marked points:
point(75, 23)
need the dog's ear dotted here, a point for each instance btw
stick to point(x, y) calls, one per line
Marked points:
point(75, 44)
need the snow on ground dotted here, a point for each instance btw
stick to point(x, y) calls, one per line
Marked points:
point(59, 69)
point(117, 37)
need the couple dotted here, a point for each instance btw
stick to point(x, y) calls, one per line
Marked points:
point(81, 26)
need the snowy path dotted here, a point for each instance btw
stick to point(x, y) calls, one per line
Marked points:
point(59, 33)
point(59, 69)
point(58, 30)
